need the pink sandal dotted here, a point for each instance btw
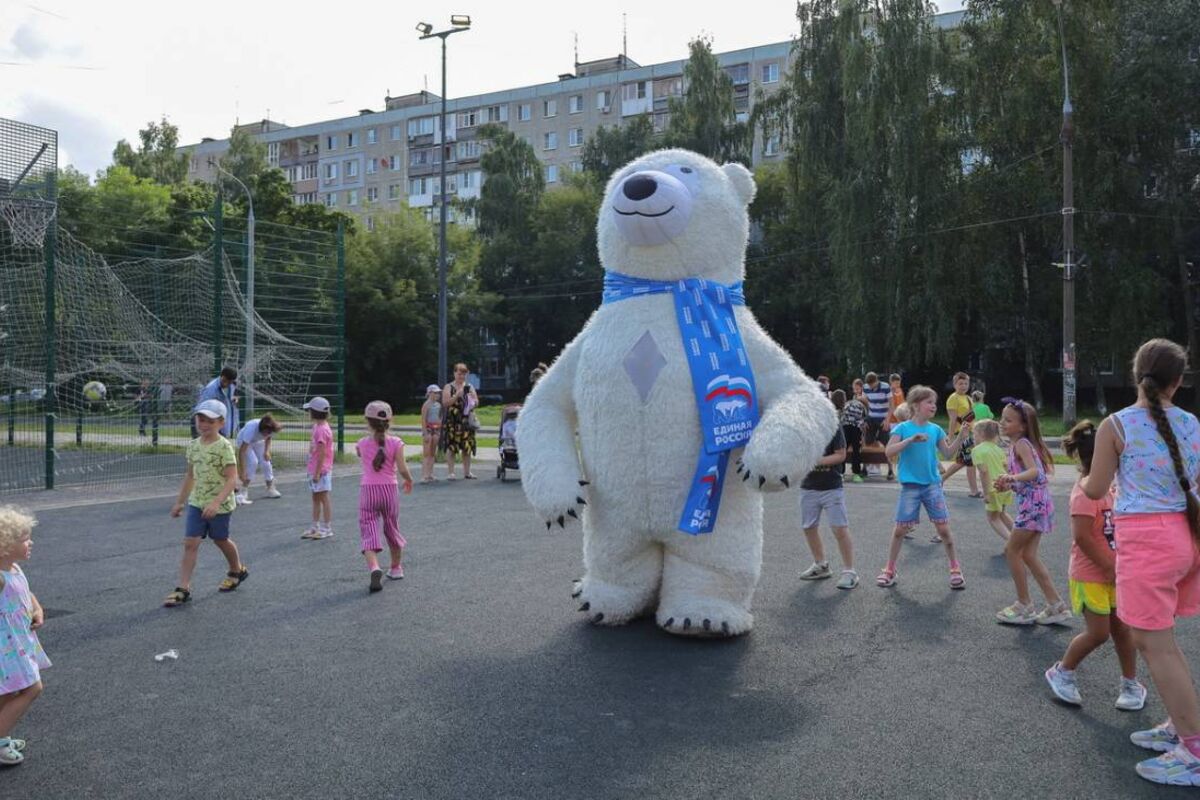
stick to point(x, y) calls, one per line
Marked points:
point(886, 579)
point(957, 581)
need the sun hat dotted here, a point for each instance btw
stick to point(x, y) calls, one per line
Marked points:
point(213, 409)
point(317, 404)
point(377, 409)
point(433, 387)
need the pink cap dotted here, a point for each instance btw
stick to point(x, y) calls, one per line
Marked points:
point(377, 409)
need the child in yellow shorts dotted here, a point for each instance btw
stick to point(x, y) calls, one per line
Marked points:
point(989, 460)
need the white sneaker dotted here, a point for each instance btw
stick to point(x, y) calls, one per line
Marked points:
point(322, 533)
point(848, 580)
point(1161, 737)
point(242, 499)
point(1056, 614)
point(816, 572)
point(310, 533)
point(273, 493)
point(10, 755)
point(1132, 696)
point(1176, 767)
point(1062, 683)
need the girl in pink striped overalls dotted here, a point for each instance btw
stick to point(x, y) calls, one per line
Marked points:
point(382, 457)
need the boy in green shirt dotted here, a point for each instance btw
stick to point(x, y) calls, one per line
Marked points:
point(207, 488)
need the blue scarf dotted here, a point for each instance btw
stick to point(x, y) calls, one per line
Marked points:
point(721, 379)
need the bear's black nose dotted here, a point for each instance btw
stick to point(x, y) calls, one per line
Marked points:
point(639, 187)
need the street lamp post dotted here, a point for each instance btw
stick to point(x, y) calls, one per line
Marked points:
point(458, 22)
point(246, 374)
point(1068, 220)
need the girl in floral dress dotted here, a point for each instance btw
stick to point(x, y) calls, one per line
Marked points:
point(21, 655)
point(1027, 478)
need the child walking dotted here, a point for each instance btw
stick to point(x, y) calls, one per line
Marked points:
point(958, 407)
point(320, 470)
point(431, 430)
point(850, 416)
point(820, 491)
point(382, 457)
point(1092, 574)
point(254, 451)
point(21, 656)
point(1027, 476)
point(207, 490)
point(917, 442)
point(990, 462)
point(1153, 449)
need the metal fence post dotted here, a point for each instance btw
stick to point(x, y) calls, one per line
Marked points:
point(218, 277)
point(341, 336)
point(51, 397)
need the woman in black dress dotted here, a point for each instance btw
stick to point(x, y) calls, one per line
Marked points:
point(458, 437)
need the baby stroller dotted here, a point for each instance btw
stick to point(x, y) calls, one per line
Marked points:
point(508, 440)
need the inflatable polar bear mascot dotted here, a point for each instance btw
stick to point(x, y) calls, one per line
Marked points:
point(671, 382)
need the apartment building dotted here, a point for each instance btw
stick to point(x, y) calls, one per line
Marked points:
point(370, 163)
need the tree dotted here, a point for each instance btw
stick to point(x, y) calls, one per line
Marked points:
point(610, 148)
point(157, 157)
point(705, 119)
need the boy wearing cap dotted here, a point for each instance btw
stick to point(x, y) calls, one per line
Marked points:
point(207, 491)
point(431, 430)
point(320, 470)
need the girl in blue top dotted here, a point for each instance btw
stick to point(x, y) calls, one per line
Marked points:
point(917, 442)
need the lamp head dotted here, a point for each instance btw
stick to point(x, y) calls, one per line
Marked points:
point(460, 20)
point(424, 28)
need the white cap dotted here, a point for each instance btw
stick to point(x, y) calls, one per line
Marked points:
point(317, 404)
point(213, 409)
point(433, 387)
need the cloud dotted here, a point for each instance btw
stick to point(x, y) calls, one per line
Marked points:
point(89, 140)
point(28, 43)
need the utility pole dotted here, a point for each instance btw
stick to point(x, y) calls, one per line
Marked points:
point(1067, 136)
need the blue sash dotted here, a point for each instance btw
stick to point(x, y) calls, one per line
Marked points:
point(721, 379)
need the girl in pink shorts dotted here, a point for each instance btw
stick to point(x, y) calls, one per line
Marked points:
point(382, 457)
point(1153, 450)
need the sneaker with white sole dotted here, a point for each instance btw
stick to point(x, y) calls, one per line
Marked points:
point(1177, 767)
point(848, 579)
point(311, 533)
point(1062, 683)
point(1056, 614)
point(1017, 614)
point(242, 499)
point(1161, 737)
point(396, 573)
point(322, 533)
point(817, 571)
point(10, 755)
point(1132, 696)
point(273, 493)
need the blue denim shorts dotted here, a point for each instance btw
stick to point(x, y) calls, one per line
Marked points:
point(915, 495)
point(197, 526)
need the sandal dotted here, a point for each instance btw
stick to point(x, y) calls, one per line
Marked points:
point(886, 579)
point(177, 597)
point(957, 581)
point(469, 477)
point(234, 580)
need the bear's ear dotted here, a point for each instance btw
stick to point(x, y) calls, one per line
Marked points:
point(742, 180)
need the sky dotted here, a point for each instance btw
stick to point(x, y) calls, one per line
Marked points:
point(99, 71)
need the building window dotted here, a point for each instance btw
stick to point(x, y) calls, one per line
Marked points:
point(576, 166)
point(330, 172)
point(370, 223)
point(469, 149)
point(395, 132)
point(470, 180)
point(372, 136)
point(394, 163)
point(468, 119)
point(496, 114)
point(393, 191)
point(331, 143)
point(351, 169)
point(575, 137)
point(604, 100)
point(273, 153)
point(372, 166)
point(352, 197)
point(770, 73)
point(416, 186)
point(549, 108)
point(372, 194)
point(552, 173)
point(309, 172)
point(524, 112)
point(739, 74)
point(331, 200)
point(635, 91)
point(352, 139)
point(575, 104)
point(771, 145)
point(420, 126)
point(550, 140)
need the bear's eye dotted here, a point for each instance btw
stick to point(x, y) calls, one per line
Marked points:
point(686, 170)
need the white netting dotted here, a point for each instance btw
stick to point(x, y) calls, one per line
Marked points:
point(27, 219)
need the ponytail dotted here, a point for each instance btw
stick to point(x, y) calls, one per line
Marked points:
point(1080, 444)
point(1150, 388)
point(379, 429)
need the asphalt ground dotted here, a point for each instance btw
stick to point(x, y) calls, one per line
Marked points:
point(475, 677)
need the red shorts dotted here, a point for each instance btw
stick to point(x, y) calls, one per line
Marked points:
point(1158, 570)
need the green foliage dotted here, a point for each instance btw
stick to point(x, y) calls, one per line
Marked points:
point(611, 148)
point(157, 157)
point(705, 120)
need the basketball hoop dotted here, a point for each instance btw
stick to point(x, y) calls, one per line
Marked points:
point(27, 219)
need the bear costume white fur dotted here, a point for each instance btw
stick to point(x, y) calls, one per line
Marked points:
point(625, 385)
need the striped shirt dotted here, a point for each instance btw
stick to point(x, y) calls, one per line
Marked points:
point(879, 398)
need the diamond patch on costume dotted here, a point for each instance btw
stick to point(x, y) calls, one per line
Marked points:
point(643, 363)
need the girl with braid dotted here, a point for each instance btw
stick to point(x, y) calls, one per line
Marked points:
point(1153, 450)
point(382, 457)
